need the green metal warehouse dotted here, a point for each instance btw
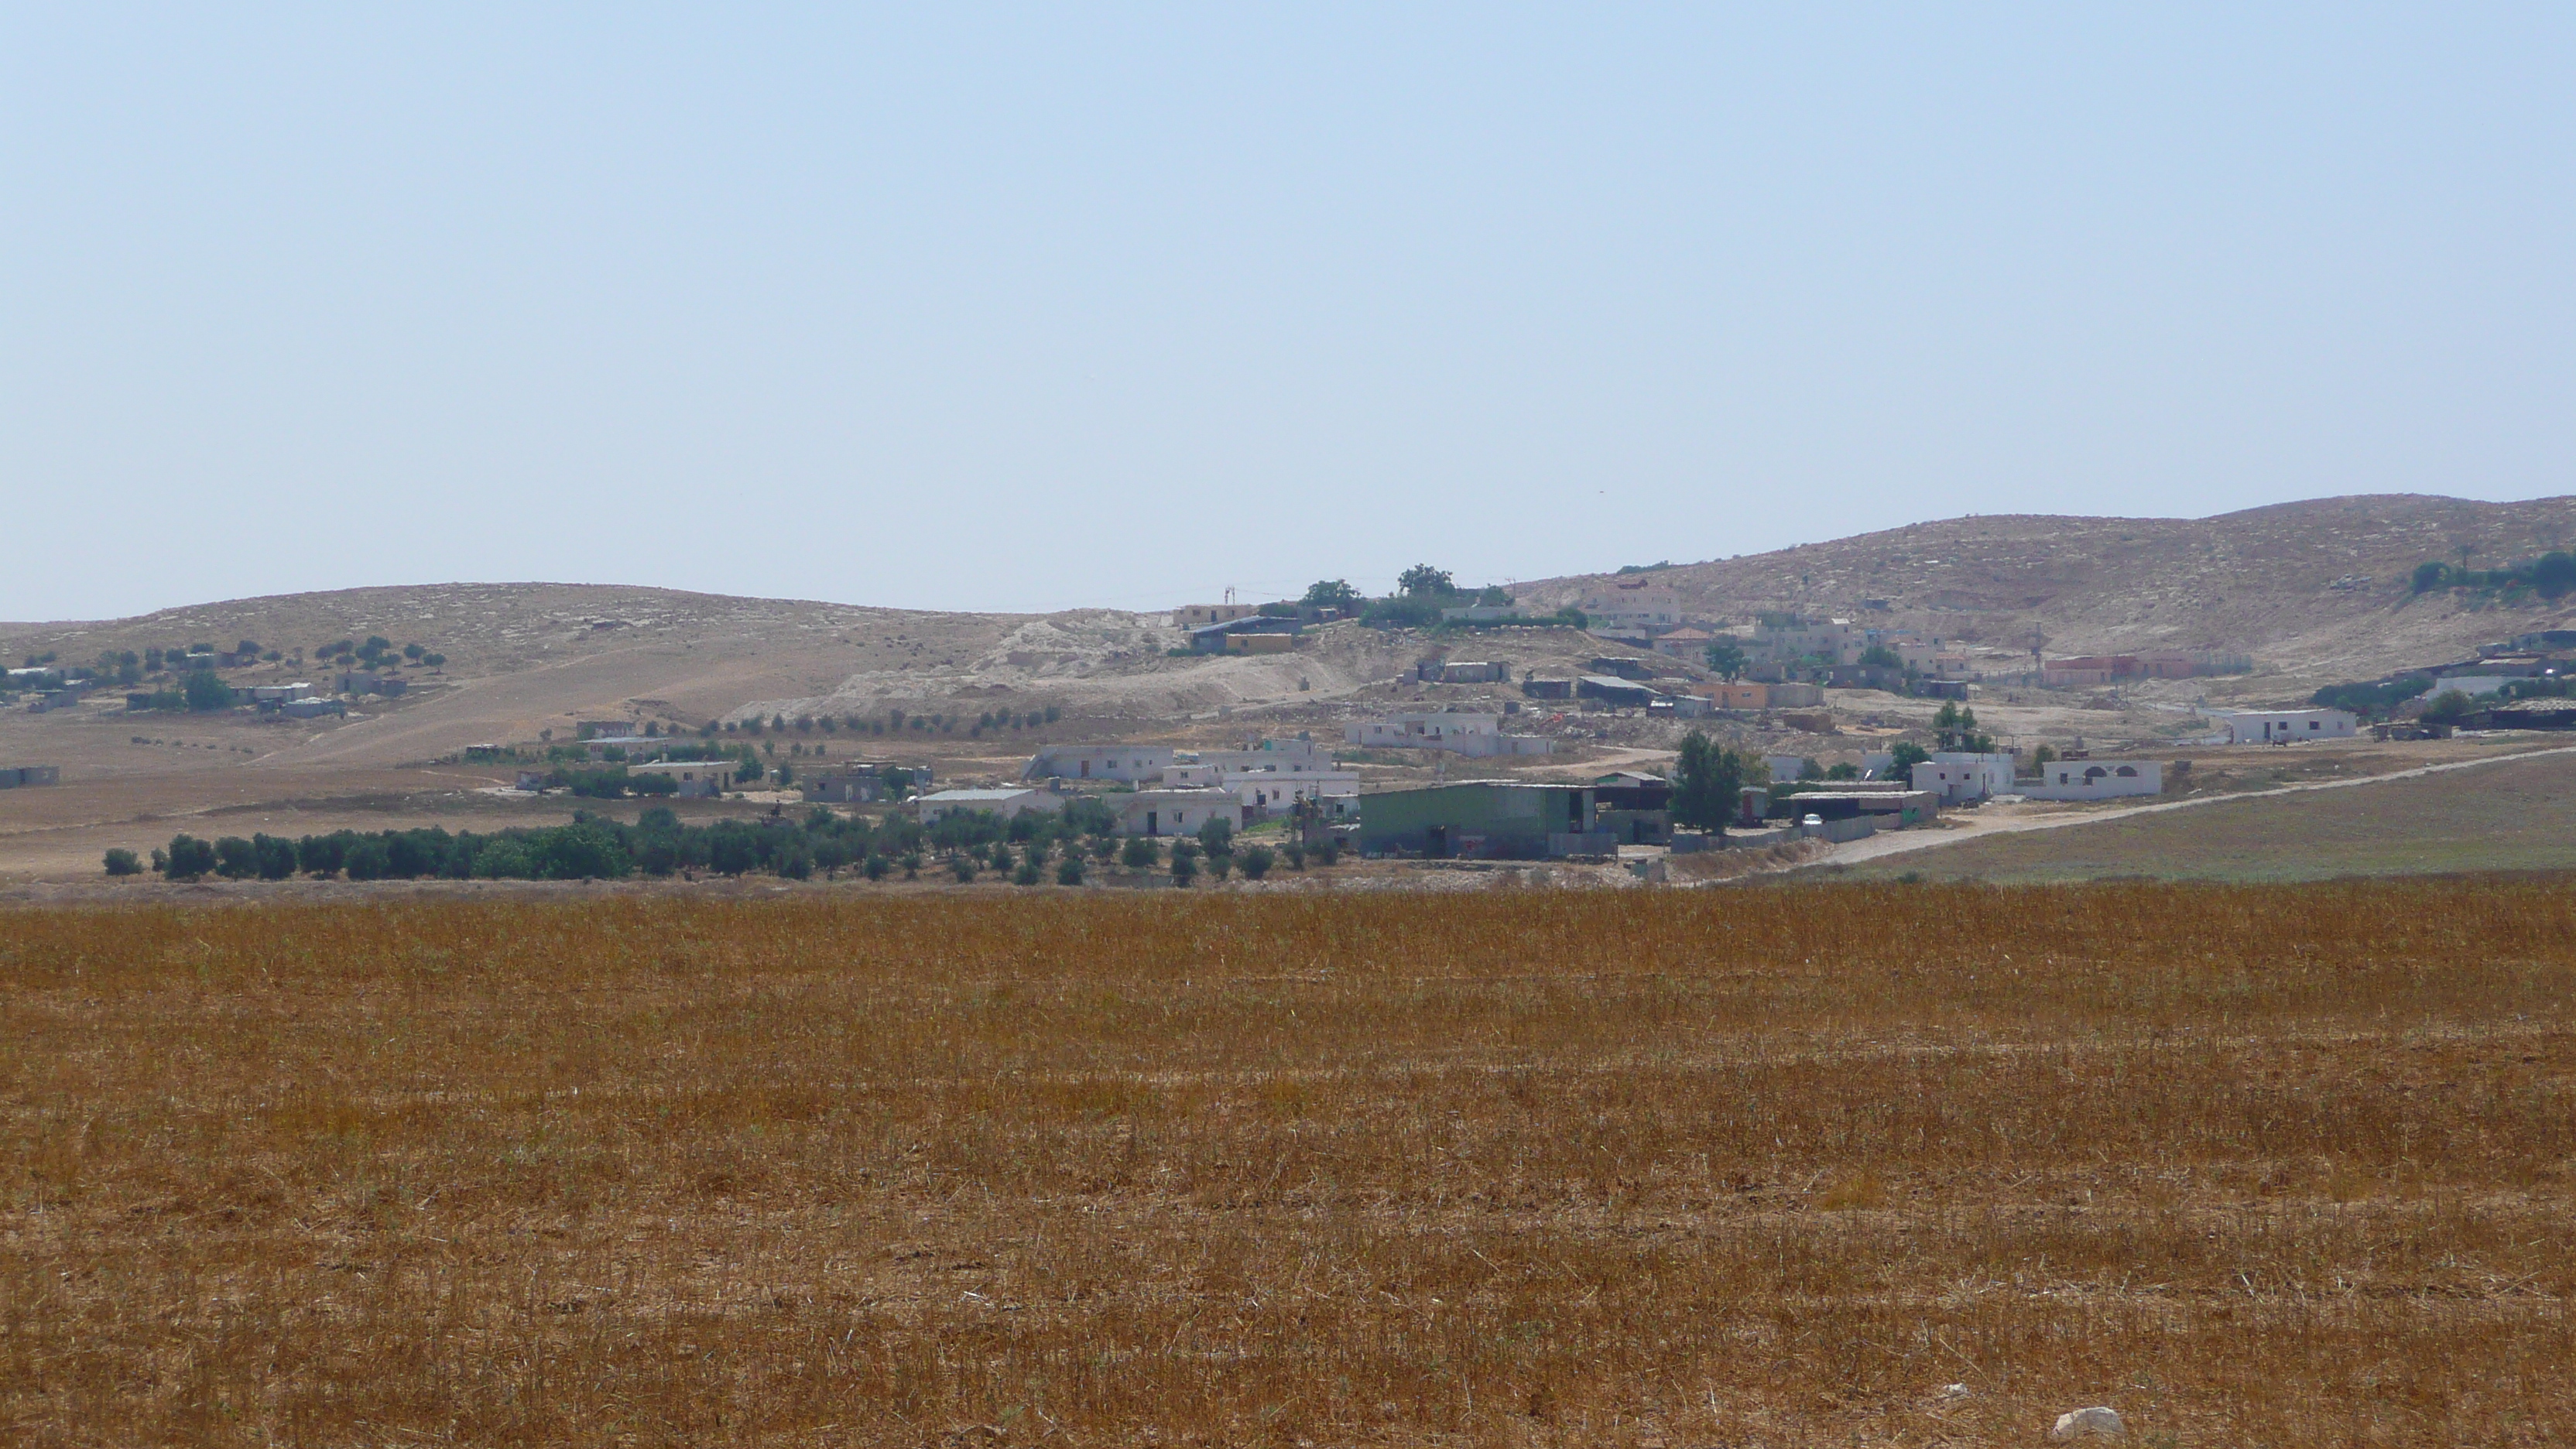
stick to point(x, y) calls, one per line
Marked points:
point(1483, 820)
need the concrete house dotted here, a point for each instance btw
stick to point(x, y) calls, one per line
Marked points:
point(693, 779)
point(1685, 643)
point(2091, 780)
point(1957, 778)
point(1632, 607)
point(1173, 812)
point(1191, 616)
point(1127, 764)
point(2281, 726)
point(1465, 734)
point(1485, 820)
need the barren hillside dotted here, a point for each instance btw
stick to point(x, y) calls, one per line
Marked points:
point(2315, 591)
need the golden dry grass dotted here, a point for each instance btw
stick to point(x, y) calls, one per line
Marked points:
point(2254, 1165)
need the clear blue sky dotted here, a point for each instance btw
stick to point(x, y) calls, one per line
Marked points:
point(1033, 309)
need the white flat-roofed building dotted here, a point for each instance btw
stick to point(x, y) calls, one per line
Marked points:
point(1637, 607)
point(2281, 726)
point(1128, 764)
point(1958, 777)
point(695, 779)
point(1005, 802)
point(1465, 734)
point(1173, 812)
point(2094, 780)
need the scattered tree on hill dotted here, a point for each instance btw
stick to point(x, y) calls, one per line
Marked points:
point(1332, 594)
point(1422, 580)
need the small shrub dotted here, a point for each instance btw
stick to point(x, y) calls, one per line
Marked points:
point(1255, 861)
point(123, 862)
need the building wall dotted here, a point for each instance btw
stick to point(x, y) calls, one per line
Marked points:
point(2264, 727)
point(697, 779)
point(1957, 777)
point(1476, 820)
point(1173, 812)
point(1647, 606)
point(2092, 780)
point(1131, 764)
point(1190, 616)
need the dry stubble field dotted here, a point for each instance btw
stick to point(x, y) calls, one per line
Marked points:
point(2253, 1165)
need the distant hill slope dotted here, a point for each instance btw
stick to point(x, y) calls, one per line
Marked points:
point(2263, 582)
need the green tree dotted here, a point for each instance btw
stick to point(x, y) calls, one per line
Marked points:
point(1140, 853)
point(1954, 725)
point(1255, 860)
point(1422, 580)
point(190, 858)
point(1904, 756)
point(2431, 575)
point(1185, 868)
point(2448, 708)
point(1879, 656)
point(123, 862)
point(1724, 659)
point(205, 693)
point(1322, 594)
point(1706, 781)
point(1217, 836)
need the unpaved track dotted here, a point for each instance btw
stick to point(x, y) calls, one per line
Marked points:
point(1907, 841)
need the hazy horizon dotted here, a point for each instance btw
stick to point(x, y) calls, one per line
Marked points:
point(1046, 311)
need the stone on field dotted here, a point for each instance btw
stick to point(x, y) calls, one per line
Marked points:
point(2078, 1423)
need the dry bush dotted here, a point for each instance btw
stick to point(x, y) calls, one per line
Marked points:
point(2253, 1165)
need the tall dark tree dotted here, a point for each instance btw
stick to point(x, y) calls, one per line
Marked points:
point(1422, 579)
point(1706, 781)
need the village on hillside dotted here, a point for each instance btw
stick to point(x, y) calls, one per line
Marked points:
point(1622, 730)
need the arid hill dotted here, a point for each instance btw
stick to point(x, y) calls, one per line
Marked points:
point(2315, 591)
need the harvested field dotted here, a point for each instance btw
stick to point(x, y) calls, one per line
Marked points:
point(2251, 1164)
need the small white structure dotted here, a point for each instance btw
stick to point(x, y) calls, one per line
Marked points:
point(1958, 777)
point(1173, 812)
point(694, 779)
point(1129, 764)
point(1785, 768)
point(2094, 780)
point(1480, 735)
point(2281, 726)
point(1005, 803)
point(278, 693)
